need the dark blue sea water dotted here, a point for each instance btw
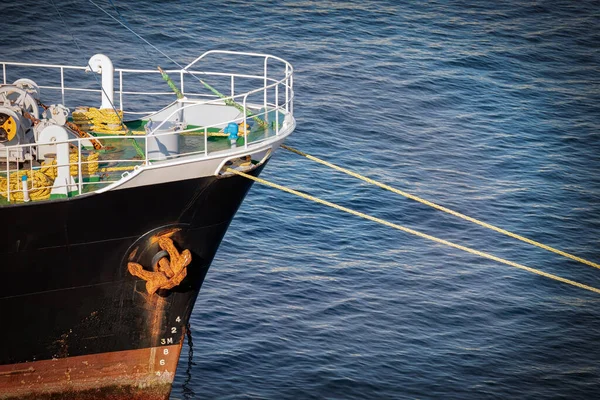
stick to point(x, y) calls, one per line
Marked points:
point(489, 108)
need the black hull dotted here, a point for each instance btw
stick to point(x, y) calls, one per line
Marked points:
point(66, 288)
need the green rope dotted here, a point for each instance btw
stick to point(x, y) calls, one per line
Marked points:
point(232, 103)
point(138, 149)
point(172, 85)
point(228, 101)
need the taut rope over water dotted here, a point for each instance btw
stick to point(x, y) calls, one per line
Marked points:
point(444, 209)
point(416, 233)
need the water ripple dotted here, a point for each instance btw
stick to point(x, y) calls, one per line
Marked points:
point(489, 108)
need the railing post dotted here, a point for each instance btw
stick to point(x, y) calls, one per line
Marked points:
point(30, 163)
point(146, 160)
point(244, 124)
point(121, 90)
point(277, 109)
point(4, 73)
point(266, 83)
point(287, 88)
point(181, 89)
point(205, 141)
point(292, 93)
point(80, 158)
point(8, 175)
point(232, 86)
point(62, 84)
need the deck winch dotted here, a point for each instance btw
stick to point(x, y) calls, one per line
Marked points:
point(18, 111)
point(28, 135)
point(21, 123)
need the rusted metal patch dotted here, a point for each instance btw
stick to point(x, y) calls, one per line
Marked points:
point(132, 374)
point(156, 258)
point(170, 271)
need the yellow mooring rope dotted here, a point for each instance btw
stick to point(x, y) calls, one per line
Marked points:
point(38, 183)
point(413, 232)
point(105, 120)
point(444, 209)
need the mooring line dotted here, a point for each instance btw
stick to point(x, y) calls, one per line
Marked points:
point(442, 208)
point(414, 232)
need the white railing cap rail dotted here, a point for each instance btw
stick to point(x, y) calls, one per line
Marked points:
point(239, 53)
point(185, 69)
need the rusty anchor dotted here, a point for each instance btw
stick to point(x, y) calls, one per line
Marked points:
point(171, 270)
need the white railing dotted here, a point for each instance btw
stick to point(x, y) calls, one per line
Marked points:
point(185, 73)
point(274, 85)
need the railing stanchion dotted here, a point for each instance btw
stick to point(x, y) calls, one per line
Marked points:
point(31, 165)
point(4, 73)
point(265, 84)
point(80, 158)
point(7, 175)
point(232, 86)
point(62, 84)
point(121, 90)
point(205, 141)
point(146, 160)
point(244, 125)
point(287, 88)
point(277, 109)
point(181, 88)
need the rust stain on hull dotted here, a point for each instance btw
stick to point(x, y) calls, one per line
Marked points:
point(132, 374)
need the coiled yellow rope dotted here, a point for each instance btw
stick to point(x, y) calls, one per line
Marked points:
point(39, 185)
point(40, 182)
point(117, 169)
point(444, 209)
point(417, 233)
point(89, 166)
point(99, 120)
